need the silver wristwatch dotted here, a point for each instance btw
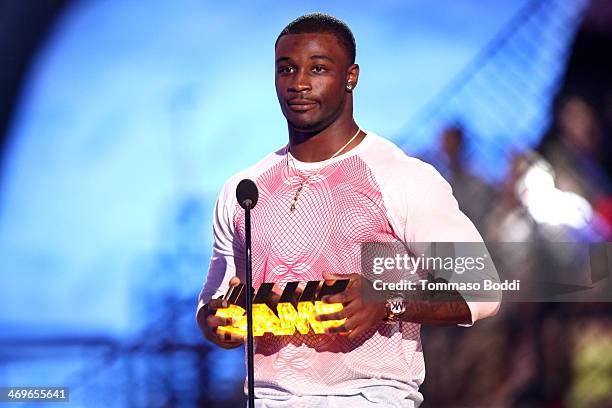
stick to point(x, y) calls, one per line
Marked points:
point(395, 308)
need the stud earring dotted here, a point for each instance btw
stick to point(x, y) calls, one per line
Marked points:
point(349, 87)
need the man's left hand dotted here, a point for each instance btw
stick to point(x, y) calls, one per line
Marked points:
point(360, 316)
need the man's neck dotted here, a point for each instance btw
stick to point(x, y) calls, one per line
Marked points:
point(320, 146)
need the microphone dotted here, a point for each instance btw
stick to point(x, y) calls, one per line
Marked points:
point(247, 193)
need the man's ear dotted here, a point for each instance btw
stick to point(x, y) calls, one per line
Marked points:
point(352, 77)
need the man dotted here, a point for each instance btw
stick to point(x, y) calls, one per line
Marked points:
point(473, 194)
point(331, 188)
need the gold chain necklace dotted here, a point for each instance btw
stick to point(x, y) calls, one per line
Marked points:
point(306, 182)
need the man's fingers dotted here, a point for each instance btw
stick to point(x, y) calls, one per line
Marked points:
point(332, 316)
point(221, 303)
point(354, 333)
point(342, 297)
point(215, 304)
point(331, 276)
point(346, 312)
point(275, 295)
point(328, 276)
point(229, 337)
point(346, 327)
point(216, 321)
point(352, 291)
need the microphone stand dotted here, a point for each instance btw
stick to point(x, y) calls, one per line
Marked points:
point(249, 305)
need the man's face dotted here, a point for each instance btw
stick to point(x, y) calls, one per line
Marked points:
point(311, 76)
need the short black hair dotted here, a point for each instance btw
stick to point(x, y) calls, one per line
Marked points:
point(324, 24)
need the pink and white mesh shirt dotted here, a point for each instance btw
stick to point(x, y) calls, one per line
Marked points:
point(372, 193)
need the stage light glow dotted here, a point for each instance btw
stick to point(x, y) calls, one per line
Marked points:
point(549, 205)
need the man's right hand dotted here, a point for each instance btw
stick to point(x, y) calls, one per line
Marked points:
point(209, 323)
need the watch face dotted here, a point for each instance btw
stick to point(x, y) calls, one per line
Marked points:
point(396, 304)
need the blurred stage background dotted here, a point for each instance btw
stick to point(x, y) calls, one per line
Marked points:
point(120, 120)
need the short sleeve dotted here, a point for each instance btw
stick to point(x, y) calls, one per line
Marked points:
point(433, 214)
point(427, 212)
point(222, 264)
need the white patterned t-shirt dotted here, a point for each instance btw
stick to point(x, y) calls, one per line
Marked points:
point(372, 193)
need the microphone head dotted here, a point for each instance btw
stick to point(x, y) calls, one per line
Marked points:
point(247, 193)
